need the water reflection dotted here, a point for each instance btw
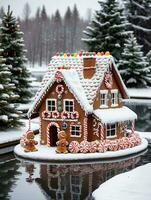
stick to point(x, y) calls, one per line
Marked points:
point(76, 181)
point(8, 175)
point(143, 110)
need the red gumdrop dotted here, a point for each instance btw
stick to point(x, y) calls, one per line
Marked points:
point(80, 53)
point(68, 54)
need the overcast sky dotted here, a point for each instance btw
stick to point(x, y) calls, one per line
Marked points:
point(51, 5)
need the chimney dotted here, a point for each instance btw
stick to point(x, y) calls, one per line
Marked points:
point(89, 67)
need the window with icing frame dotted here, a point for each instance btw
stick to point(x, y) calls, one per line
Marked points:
point(114, 97)
point(103, 98)
point(111, 130)
point(68, 105)
point(51, 104)
point(75, 130)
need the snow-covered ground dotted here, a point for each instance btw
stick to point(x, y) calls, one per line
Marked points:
point(15, 134)
point(132, 185)
point(140, 92)
point(146, 135)
point(49, 154)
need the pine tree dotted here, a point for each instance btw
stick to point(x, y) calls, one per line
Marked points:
point(107, 31)
point(139, 16)
point(133, 66)
point(14, 53)
point(8, 114)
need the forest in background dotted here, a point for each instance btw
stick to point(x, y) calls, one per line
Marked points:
point(47, 33)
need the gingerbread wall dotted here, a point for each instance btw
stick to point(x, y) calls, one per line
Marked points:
point(45, 122)
point(96, 105)
point(115, 85)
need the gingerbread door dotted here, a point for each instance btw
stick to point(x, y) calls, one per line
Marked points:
point(53, 135)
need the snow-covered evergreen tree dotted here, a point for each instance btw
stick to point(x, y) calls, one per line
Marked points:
point(8, 114)
point(133, 65)
point(149, 58)
point(14, 53)
point(107, 31)
point(139, 16)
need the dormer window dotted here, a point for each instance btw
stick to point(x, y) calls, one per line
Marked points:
point(103, 98)
point(69, 105)
point(51, 105)
point(114, 96)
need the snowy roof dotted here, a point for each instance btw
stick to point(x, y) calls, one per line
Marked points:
point(88, 87)
point(113, 115)
point(71, 79)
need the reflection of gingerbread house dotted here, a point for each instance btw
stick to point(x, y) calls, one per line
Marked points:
point(79, 181)
point(82, 94)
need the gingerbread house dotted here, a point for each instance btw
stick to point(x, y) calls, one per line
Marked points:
point(82, 94)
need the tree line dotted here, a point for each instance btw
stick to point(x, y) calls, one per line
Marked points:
point(46, 34)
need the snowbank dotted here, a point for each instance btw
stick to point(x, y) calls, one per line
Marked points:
point(140, 92)
point(146, 135)
point(132, 185)
point(15, 133)
point(48, 153)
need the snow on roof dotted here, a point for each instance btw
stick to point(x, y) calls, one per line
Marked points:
point(113, 115)
point(73, 82)
point(131, 185)
point(88, 87)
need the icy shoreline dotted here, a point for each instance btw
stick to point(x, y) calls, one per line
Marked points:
point(132, 185)
point(12, 135)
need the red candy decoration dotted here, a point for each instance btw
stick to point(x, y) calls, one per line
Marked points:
point(94, 53)
point(57, 54)
point(102, 53)
point(87, 53)
point(68, 54)
point(80, 53)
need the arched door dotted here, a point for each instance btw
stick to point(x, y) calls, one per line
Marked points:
point(53, 135)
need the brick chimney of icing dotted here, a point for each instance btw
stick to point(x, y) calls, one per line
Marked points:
point(89, 67)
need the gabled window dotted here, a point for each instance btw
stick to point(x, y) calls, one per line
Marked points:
point(103, 98)
point(111, 130)
point(114, 97)
point(75, 130)
point(51, 104)
point(69, 105)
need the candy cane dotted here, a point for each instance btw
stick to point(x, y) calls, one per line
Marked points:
point(102, 132)
point(29, 124)
point(48, 135)
point(85, 128)
point(133, 126)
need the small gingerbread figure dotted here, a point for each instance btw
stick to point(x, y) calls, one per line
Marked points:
point(30, 142)
point(62, 142)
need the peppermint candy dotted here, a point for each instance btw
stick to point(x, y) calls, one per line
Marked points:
point(84, 146)
point(74, 147)
point(92, 147)
point(101, 148)
point(113, 146)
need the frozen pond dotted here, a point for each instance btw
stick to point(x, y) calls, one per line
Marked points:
point(22, 180)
